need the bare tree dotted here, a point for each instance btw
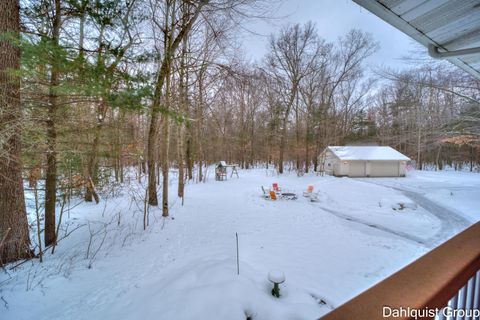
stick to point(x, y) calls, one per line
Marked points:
point(292, 54)
point(172, 39)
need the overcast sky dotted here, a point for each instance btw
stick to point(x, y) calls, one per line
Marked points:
point(333, 18)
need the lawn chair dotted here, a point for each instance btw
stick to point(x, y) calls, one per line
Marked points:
point(273, 195)
point(313, 196)
point(309, 191)
point(275, 186)
point(266, 194)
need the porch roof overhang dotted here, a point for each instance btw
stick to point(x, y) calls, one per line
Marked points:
point(450, 29)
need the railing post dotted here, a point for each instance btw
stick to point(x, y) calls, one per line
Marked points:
point(453, 304)
point(462, 299)
point(470, 295)
point(476, 300)
point(440, 315)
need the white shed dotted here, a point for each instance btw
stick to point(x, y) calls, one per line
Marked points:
point(368, 161)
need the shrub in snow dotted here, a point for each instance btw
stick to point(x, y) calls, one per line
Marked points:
point(276, 277)
point(397, 204)
point(404, 205)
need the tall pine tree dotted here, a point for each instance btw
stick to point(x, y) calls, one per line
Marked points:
point(14, 239)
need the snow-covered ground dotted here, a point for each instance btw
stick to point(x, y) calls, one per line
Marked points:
point(184, 267)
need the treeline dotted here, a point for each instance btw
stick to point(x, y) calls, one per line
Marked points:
point(432, 113)
point(160, 84)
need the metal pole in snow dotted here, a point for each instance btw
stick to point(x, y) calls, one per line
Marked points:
point(238, 264)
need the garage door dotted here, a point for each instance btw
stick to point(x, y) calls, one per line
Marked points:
point(384, 169)
point(357, 169)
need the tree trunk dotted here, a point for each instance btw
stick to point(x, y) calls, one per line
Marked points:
point(471, 158)
point(419, 161)
point(51, 170)
point(297, 137)
point(282, 147)
point(252, 143)
point(165, 147)
point(181, 172)
point(165, 162)
point(14, 239)
point(437, 166)
point(180, 126)
point(307, 156)
point(92, 157)
point(188, 152)
point(155, 107)
point(120, 122)
point(151, 159)
point(198, 127)
point(283, 137)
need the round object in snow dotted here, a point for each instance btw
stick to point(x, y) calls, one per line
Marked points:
point(276, 276)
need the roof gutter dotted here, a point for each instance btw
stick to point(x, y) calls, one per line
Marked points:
point(435, 53)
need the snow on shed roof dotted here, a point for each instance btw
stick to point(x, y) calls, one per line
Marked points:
point(367, 153)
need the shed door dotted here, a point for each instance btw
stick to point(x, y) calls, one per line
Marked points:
point(384, 169)
point(357, 169)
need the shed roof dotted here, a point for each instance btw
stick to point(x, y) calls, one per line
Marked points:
point(367, 153)
point(448, 25)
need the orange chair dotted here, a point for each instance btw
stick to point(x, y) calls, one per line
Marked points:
point(273, 195)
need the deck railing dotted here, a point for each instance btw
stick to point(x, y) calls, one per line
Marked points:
point(443, 284)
